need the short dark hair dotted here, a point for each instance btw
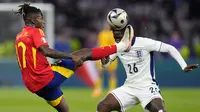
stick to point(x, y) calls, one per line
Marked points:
point(26, 9)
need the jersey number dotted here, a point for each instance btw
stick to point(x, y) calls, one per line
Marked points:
point(132, 68)
point(23, 46)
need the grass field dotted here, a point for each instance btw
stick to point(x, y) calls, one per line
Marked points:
point(79, 100)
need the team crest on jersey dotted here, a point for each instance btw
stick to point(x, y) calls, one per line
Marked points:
point(139, 53)
point(44, 40)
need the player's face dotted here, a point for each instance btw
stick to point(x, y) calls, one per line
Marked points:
point(118, 34)
point(39, 21)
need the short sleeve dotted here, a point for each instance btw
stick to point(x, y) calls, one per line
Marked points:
point(152, 45)
point(39, 38)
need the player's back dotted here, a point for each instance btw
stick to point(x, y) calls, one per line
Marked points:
point(33, 64)
point(138, 62)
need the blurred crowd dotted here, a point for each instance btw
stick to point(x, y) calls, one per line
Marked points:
point(177, 22)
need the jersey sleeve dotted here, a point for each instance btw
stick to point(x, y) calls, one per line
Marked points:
point(111, 59)
point(152, 45)
point(39, 38)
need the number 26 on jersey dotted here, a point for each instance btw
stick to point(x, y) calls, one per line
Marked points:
point(132, 68)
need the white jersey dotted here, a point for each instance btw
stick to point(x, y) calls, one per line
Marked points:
point(139, 61)
point(140, 85)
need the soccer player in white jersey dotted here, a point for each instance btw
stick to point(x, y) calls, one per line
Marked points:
point(140, 85)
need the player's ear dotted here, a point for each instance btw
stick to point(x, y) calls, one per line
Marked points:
point(33, 20)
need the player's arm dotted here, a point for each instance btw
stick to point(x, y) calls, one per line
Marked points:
point(101, 52)
point(41, 44)
point(46, 51)
point(177, 56)
point(163, 47)
point(106, 61)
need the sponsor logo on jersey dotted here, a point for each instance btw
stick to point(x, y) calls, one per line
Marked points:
point(44, 40)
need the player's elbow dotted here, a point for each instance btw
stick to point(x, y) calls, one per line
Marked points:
point(45, 51)
point(168, 48)
point(172, 48)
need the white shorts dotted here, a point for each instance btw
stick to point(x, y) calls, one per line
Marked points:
point(128, 97)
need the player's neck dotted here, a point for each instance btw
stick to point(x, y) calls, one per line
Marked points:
point(31, 25)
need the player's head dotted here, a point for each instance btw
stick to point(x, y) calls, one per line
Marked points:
point(118, 34)
point(31, 15)
point(118, 20)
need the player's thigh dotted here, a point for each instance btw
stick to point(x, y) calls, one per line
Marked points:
point(123, 100)
point(148, 94)
point(156, 105)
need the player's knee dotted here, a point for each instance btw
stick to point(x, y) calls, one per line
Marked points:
point(54, 103)
point(162, 110)
point(103, 107)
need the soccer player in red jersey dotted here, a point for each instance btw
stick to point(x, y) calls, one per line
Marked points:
point(38, 75)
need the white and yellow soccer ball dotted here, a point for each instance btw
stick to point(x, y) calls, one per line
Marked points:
point(117, 19)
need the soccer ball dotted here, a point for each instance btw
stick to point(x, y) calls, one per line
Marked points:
point(117, 19)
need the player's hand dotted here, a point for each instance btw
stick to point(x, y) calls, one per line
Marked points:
point(105, 60)
point(78, 61)
point(190, 67)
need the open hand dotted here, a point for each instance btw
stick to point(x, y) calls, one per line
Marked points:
point(190, 67)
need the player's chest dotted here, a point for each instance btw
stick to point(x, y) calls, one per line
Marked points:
point(135, 55)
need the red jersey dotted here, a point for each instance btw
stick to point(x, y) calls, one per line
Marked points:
point(36, 70)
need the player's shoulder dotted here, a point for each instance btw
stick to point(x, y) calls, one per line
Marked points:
point(33, 29)
point(142, 40)
point(36, 31)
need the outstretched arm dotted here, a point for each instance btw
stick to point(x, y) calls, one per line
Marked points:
point(177, 56)
point(153, 45)
point(46, 51)
point(98, 53)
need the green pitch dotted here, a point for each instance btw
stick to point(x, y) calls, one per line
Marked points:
point(80, 100)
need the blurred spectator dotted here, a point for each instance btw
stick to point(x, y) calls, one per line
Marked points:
point(105, 37)
point(151, 18)
point(175, 40)
point(62, 42)
point(90, 40)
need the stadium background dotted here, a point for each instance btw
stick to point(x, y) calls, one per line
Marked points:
point(77, 24)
